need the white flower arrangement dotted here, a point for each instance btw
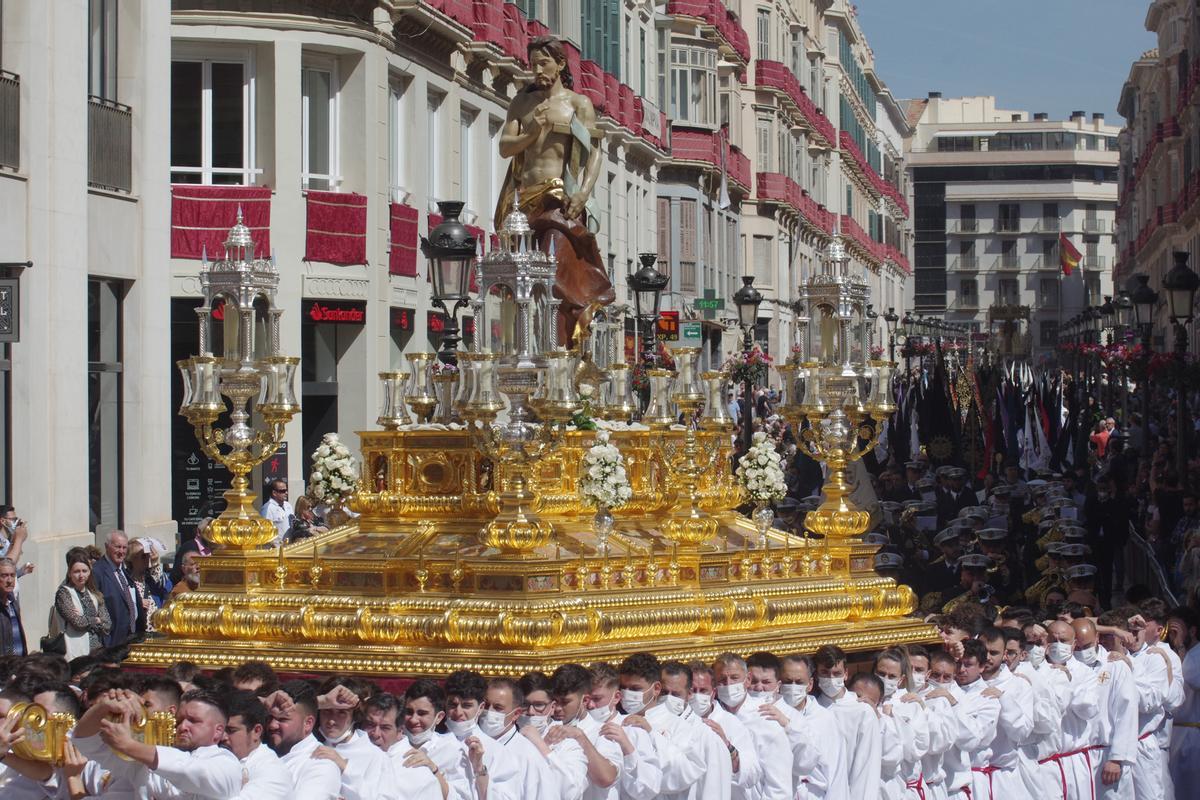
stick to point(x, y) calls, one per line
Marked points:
point(333, 473)
point(760, 471)
point(603, 482)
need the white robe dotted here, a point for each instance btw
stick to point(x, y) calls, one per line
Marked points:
point(1152, 676)
point(1116, 725)
point(609, 750)
point(206, 773)
point(569, 763)
point(368, 774)
point(266, 776)
point(861, 741)
point(774, 749)
point(910, 725)
point(1071, 767)
point(641, 770)
point(826, 777)
point(312, 778)
point(536, 779)
point(695, 764)
point(1185, 732)
point(745, 781)
point(977, 717)
point(943, 730)
point(15, 786)
point(1050, 692)
point(996, 766)
point(419, 783)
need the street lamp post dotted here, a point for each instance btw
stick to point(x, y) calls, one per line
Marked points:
point(747, 299)
point(647, 285)
point(1108, 314)
point(450, 251)
point(1124, 310)
point(890, 319)
point(908, 323)
point(1144, 299)
point(1180, 285)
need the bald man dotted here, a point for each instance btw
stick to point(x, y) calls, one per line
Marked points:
point(1070, 769)
point(1115, 734)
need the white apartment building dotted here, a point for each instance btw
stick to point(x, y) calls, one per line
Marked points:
point(993, 190)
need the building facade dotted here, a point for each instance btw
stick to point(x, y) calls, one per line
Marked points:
point(993, 191)
point(740, 137)
point(1158, 211)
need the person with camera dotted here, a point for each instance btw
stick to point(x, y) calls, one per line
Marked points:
point(13, 533)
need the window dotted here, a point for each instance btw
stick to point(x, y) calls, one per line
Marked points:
point(398, 135)
point(966, 217)
point(1050, 253)
point(1092, 290)
point(1048, 293)
point(102, 48)
point(466, 122)
point(968, 293)
point(1008, 291)
point(433, 108)
point(797, 54)
point(663, 34)
point(1048, 333)
point(763, 31)
point(763, 156)
point(104, 403)
point(1008, 254)
point(641, 60)
point(212, 128)
point(687, 230)
point(764, 262)
point(318, 114)
point(956, 144)
point(1009, 218)
point(664, 233)
point(694, 85)
point(1050, 216)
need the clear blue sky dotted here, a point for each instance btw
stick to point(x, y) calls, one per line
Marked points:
point(1033, 55)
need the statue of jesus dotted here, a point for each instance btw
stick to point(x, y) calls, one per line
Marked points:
point(552, 139)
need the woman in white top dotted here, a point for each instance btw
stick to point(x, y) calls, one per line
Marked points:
point(79, 610)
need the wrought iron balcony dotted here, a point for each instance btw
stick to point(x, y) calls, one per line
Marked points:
point(10, 120)
point(110, 145)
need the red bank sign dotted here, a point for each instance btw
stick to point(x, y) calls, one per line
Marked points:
point(338, 312)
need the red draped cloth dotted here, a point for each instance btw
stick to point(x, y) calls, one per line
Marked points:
point(402, 260)
point(201, 217)
point(337, 228)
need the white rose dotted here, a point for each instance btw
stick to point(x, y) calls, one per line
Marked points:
point(315, 475)
point(586, 390)
point(323, 451)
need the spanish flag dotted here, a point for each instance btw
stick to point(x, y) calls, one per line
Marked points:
point(1068, 256)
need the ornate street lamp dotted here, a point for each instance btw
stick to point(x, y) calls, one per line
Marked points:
point(1144, 300)
point(450, 251)
point(747, 299)
point(1180, 285)
point(890, 319)
point(1124, 311)
point(647, 285)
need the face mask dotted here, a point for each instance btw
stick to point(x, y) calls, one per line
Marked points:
point(919, 679)
point(492, 722)
point(674, 704)
point(600, 714)
point(732, 694)
point(1037, 655)
point(762, 697)
point(889, 685)
point(461, 729)
point(831, 687)
point(632, 700)
point(793, 693)
point(701, 703)
point(1087, 655)
point(539, 723)
point(1058, 652)
point(942, 685)
point(418, 739)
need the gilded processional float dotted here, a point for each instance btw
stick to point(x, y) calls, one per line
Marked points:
point(472, 544)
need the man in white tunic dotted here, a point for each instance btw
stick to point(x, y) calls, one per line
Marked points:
point(265, 776)
point(565, 755)
point(1051, 691)
point(978, 710)
point(488, 772)
point(383, 723)
point(570, 685)
point(1185, 733)
point(747, 771)
point(1072, 765)
point(505, 705)
point(827, 778)
point(293, 712)
point(641, 771)
point(940, 693)
point(1000, 760)
point(196, 768)
point(857, 722)
point(753, 705)
point(1150, 624)
point(1114, 744)
point(366, 771)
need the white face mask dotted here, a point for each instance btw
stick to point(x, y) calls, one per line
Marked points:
point(889, 685)
point(1058, 652)
point(632, 700)
point(1087, 655)
point(539, 723)
point(831, 687)
point(600, 714)
point(492, 722)
point(418, 739)
point(942, 685)
point(793, 693)
point(461, 729)
point(760, 698)
point(919, 679)
point(732, 694)
point(1037, 655)
point(701, 703)
point(674, 704)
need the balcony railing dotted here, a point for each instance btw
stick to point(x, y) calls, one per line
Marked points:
point(687, 276)
point(963, 226)
point(1048, 225)
point(1096, 226)
point(1048, 262)
point(110, 145)
point(1008, 226)
point(968, 302)
point(10, 120)
point(1007, 261)
point(1093, 262)
point(965, 263)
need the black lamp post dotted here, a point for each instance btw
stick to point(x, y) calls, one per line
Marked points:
point(450, 252)
point(890, 319)
point(1180, 285)
point(747, 299)
point(647, 285)
point(1124, 311)
point(1144, 299)
point(908, 322)
point(1108, 313)
point(872, 317)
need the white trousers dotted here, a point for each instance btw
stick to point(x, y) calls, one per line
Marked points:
point(1122, 789)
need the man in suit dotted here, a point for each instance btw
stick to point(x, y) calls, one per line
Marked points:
point(122, 598)
point(12, 629)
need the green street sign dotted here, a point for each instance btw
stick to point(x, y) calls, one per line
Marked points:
point(709, 303)
point(690, 332)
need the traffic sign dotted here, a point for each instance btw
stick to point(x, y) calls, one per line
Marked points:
point(689, 332)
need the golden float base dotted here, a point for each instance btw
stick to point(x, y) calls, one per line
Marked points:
point(412, 588)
